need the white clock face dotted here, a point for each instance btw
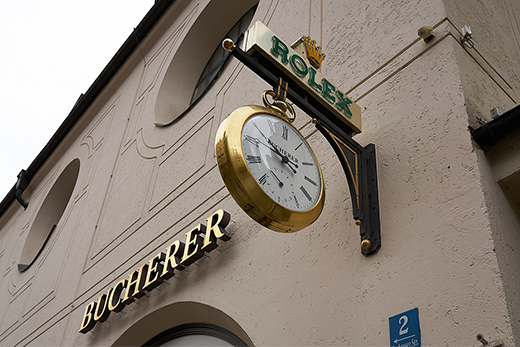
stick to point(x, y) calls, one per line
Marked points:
point(281, 162)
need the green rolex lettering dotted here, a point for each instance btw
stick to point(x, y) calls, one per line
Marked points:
point(328, 89)
point(279, 49)
point(342, 104)
point(298, 66)
point(312, 82)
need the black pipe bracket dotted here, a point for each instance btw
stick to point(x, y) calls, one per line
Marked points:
point(21, 185)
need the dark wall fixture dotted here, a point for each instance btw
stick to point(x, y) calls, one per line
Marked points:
point(493, 131)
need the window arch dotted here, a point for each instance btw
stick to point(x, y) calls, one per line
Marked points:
point(219, 58)
point(196, 334)
point(187, 70)
point(174, 317)
point(49, 215)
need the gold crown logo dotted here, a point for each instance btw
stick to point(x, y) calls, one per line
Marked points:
point(313, 52)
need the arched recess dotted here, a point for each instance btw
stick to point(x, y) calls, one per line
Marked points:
point(196, 334)
point(178, 314)
point(190, 59)
point(49, 215)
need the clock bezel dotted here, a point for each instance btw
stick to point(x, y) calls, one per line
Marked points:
point(242, 185)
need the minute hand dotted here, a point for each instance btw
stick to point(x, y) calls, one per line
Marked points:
point(285, 159)
point(272, 147)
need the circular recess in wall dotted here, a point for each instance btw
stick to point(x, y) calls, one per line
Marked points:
point(49, 215)
point(198, 60)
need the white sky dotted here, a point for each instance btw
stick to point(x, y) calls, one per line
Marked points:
point(51, 52)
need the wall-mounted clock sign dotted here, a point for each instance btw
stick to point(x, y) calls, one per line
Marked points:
point(269, 168)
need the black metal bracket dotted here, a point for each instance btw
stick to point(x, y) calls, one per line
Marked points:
point(359, 165)
point(358, 162)
point(21, 185)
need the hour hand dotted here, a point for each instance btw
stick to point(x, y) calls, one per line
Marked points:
point(285, 159)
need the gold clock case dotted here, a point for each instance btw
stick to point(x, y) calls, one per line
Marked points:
point(242, 185)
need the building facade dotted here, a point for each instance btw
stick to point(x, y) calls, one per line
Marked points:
point(91, 235)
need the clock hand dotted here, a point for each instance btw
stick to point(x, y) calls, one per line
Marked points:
point(263, 144)
point(272, 147)
point(261, 133)
point(285, 159)
point(253, 140)
point(280, 183)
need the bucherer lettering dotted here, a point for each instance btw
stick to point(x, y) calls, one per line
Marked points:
point(161, 267)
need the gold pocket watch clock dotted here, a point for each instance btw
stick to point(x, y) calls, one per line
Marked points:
point(269, 168)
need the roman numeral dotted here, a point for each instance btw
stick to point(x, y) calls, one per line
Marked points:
point(263, 179)
point(308, 164)
point(310, 181)
point(304, 191)
point(254, 159)
point(271, 126)
point(285, 133)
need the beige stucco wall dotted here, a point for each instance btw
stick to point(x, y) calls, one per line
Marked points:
point(489, 70)
point(502, 206)
point(141, 187)
point(490, 77)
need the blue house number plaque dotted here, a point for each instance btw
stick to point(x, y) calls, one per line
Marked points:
point(405, 330)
